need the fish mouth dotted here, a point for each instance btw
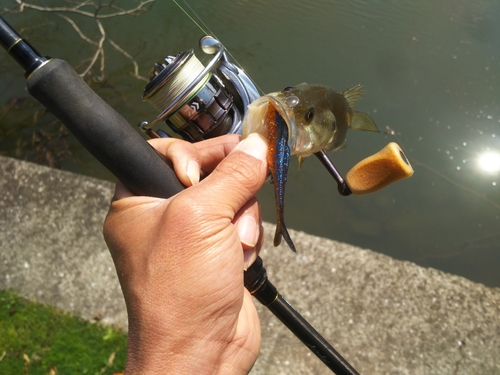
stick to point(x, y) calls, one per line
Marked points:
point(254, 121)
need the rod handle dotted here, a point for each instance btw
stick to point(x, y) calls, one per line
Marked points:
point(102, 130)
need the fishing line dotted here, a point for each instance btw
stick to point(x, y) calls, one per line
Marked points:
point(180, 79)
point(192, 19)
point(443, 176)
point(207, 31)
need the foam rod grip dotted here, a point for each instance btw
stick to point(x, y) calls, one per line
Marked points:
point(102, 130)
point(379, 170)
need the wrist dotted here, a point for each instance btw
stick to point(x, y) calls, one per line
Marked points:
point(209, 359)
point(152, 350)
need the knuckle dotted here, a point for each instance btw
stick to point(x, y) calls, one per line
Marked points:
point(243, 171)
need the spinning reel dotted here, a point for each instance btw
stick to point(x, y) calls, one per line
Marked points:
point(199, 102)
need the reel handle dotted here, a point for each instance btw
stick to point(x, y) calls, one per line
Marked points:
point(379, 170)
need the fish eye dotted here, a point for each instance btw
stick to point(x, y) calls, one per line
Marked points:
point(309, 116)
point(288, 88)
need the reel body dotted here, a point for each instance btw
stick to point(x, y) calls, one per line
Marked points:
point(199, 102)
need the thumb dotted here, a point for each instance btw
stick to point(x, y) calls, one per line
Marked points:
point(236, 179)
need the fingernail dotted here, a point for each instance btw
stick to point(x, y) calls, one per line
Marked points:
point(193, 172)
point(249, 256)
point(254, 145)
point(247, 229)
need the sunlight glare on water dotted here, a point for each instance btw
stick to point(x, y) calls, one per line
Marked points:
point(489, 162)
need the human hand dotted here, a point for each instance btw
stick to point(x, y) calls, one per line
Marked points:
point(180, 261)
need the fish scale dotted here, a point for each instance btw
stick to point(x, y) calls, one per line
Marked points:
point(279, 159)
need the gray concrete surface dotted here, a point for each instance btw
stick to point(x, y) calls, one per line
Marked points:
point(385, 316)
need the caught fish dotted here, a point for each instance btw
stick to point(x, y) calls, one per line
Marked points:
point(302, 120)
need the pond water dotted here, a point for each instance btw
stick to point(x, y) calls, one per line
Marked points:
point(430, 71)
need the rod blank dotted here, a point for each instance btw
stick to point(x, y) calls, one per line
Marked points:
point(19, 49)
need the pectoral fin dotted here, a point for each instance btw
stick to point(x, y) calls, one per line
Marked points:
point(341, 147)
point(361, 121)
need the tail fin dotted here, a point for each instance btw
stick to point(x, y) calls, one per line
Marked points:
point(281, 231)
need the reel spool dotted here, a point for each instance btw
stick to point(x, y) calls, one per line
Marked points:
point(198, 102)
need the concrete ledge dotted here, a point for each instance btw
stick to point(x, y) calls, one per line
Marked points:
point(385, 316)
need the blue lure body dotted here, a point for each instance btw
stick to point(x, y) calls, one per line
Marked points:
point(279, 159)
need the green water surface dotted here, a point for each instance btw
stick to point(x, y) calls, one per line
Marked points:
point(430, 71)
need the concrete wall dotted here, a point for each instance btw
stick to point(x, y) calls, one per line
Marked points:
point(384, 316)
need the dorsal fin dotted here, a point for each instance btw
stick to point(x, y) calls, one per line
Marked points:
point(352, 95)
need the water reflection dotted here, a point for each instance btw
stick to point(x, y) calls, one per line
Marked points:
point(489, 162)
point(430, 71)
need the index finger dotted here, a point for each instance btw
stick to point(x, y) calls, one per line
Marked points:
point(208, 153)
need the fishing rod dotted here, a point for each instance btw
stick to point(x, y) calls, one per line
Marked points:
point(98, 127)
point(197, 104)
